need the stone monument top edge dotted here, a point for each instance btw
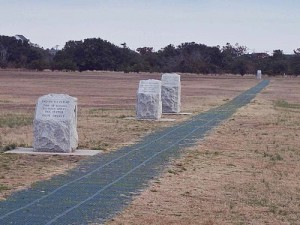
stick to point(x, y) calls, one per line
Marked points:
point(149, 86)
point(170, 79)
point(170, 74)
point(56, 107)
point(58, 96)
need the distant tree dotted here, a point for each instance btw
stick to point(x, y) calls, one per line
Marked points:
point(230, 55)
point(295, 62)
point(278, 55)
point(279, 68)
point(38, 65)
point(189, 57)
point(95, 54)
point(297, 51)
point(18, 53)
point(145, 50)
point(279, 63)
point(240, 67)
point(234, 50)
point(168, 51)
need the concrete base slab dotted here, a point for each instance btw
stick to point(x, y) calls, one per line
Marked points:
point(166, 120)
point(77, 152)
point(160, 120)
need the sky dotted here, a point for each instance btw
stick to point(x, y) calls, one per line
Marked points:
point(260, 25)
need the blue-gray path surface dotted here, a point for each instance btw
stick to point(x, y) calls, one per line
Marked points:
point(99, 188)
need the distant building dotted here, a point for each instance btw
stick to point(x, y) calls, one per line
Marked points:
point(21, 37)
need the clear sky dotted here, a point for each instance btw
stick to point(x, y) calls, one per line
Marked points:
point(261, 25)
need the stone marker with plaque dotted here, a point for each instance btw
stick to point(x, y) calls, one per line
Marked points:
point(171, 93)
point(55, 124)
point(149, 105)
point(258, 75)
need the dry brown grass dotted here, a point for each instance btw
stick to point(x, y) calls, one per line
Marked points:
point(104, 99)
point(20, 171)
point(245, 172)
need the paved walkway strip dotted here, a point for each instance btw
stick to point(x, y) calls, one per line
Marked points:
point(99, 188)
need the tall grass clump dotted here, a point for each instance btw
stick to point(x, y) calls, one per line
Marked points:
point(14, 121)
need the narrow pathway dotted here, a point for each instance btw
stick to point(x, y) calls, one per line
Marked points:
point(101, 187)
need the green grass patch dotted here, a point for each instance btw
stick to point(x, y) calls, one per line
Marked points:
point(4, 101)
point(102, 110)
point(98, 145)
point(258, 202)
point(275, 157)
point(3, 187)
point(285, 104)
point(13, 121)
point(97, 110)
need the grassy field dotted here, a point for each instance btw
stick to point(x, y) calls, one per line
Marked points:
point(245, 170)
point(104, 100)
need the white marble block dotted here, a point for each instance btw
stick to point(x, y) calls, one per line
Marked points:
point(55, 124)
point(149, 105)
point(171, 93)
point(258, 75)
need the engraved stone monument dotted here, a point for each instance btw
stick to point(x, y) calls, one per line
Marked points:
point(171, 93)
point(149, 104)
point(258, 75)
point(55, 124)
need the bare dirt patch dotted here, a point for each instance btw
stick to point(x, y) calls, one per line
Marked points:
point(245, 172)
point(104, 100)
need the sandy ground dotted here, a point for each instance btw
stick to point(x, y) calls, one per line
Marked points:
point(104, 100)
point(246, 171)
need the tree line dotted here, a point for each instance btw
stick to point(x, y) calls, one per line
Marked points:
point(22, 54)
point(190, 57)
